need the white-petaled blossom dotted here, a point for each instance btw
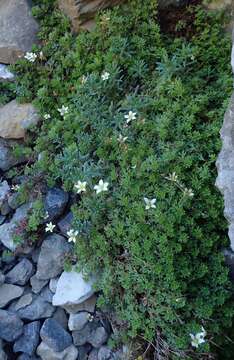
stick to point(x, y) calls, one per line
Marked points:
point(46, 215)
point(80, 186)
point(188, 192)
point(130, 116)
point(102, 186)
point(47, 116)
point(149, 203)
point(72, 235)
point(90, 317)
point(172, 177)
point(15, 187)
point(49, 227)
point(105, 76)
point(198, 338)
point(121, 139)
point(30, 56)
point(63, 110)
point(84, 79)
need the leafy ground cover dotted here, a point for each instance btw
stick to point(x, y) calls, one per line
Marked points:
point(131, 118)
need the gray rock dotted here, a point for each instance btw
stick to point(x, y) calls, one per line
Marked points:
point(87, 305)
point(93, 355)
point(23, 301)
point(38, 309)
point(11, 326)
point(61, 317)
point(15, 200)
point(3, 355)
point(5, 209)
point(4, 191)
point(104, 353)
point(2, 219)
point(35, 254)
point(51, 258)
point(98, 337)
point(29, 340)
point(77, 321)
point(8, 293)
point(72, 289)
point(47, 353)
point(53, 284)
point(65, 223)
point(21, 273)
point(84, 351)
point(55, 203)
point(7, 230)
point(81, 337)
point(53, 334)
point(37, 284)
point(7, 157)
point(27, 357)
point(2, 278)
point(16, 118)
point(18, 30)
point(47, 294)
point(5, 74)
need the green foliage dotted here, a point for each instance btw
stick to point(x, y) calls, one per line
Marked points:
point(160, 268)
point(37, 215)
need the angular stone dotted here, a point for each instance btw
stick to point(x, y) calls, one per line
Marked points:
point(83, 351)
point(11, 326)
point(2, 278)
point(38, 309)
point(15, 118)
point(53, 284)
point(93, 355)
point(61, 317)
point(47, 353)
point(21, 273)
point(29, 340)
point(7, 157)
point(37, 284)
point(47, 294)
point(82, 12)
point(81, 337)
point(5, 74)
point(3, 355)
point(4, 191)
point(27, 357)
point(8, 293)
point(72, 289)
point(18, 29)
point(7, 230)
point(87, 305)
point(53, 334)
point(65, 224)
point(55, 203)
point(52, 255)
point(98, 337)
point(23, 301)
point(77, 321)
point(104, 353)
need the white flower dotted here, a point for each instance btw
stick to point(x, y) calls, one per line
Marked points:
point(84, 79)
point(130, 116)
point(149, 204)
point(188, 192)
point(63, 110)
point(80, 186)
point(72, 235)
point(102, 186)
point(47, 116)
point(172, 177)
point(105, 76)
point(15, 187)
point(49, 227)
point(198, 338)
point(30, 56)
point(121, 139)
point(46, 215)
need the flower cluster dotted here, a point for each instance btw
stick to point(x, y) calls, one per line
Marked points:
point(174, 178)
point(30, 56)
point(198, 338)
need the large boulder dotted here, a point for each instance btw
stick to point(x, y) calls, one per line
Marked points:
point(82, 12)
point(18, 29)
point(72, 289)
point(16, 118)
